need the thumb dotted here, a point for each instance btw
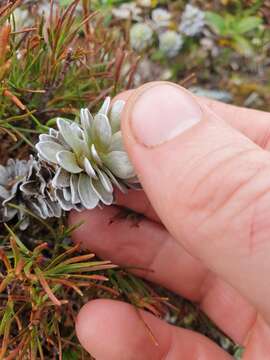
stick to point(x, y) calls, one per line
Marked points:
point(209, 184)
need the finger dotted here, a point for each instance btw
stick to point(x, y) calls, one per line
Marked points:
point(148, 246)
point(257, 345)
point(254, 124)
point(136, 201)
point(114, 330)
point(213, 184)
point(144, 248)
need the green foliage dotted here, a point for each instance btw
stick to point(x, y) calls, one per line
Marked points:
point(65, 2)
point(56, 66)
point(229, 25)
point(30, 310)
point(216, 22)
point(239, 353)
point(40, 290)
point(71, 355)
point(235, 28)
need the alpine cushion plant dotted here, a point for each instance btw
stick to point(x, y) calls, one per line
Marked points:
point(53, 68)
point(192, 21)
point(78, 167)
point(26, 185)
point(88, 158)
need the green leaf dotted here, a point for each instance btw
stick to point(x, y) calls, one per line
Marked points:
point(248, 24)
point(243, 46)
point(216, 22)
point(22, 247)
point(71, 355)
point(65, 2)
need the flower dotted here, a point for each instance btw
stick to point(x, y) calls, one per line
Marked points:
point(141, 36)
point(192, 22)
point(127, 11)
point(170, 42)
point(26, 184)
point(161, 17)
point(145, 3)
point(89, 158)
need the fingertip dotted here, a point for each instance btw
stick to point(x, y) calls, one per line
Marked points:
point(86, 331)
point(112, 330)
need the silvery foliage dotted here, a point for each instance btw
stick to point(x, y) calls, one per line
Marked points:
point(26, 184)
point(161, 18)
point(192, 21)
point(37, 191)
point(88, 157)
point(11, 177)
point(170, 42)
point(141, 36)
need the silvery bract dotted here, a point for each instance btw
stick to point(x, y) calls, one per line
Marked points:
point(26, 184)
point(37, 191)
point(88, 157)
point(192, 21)
point(170, 42)
point(141, 36)
point(11, 177)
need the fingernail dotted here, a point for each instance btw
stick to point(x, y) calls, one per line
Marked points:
point(162, 112)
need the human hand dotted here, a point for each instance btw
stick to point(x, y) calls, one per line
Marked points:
point(205, 171)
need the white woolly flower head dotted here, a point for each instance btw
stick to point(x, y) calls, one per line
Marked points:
point(192, 21)
point(170, 43)
point(145, 3)
point(141, 36)
point(161, 17)
point(127, 11)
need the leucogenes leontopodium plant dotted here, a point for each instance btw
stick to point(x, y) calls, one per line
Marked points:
point(88, 157)
point(192, 21)
point(26, 185)
point(170, 42)
point(78, 167)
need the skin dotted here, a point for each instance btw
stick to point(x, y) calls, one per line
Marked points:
point(204, 235)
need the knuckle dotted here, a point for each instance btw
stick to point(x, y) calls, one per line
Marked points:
point(264, 140)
